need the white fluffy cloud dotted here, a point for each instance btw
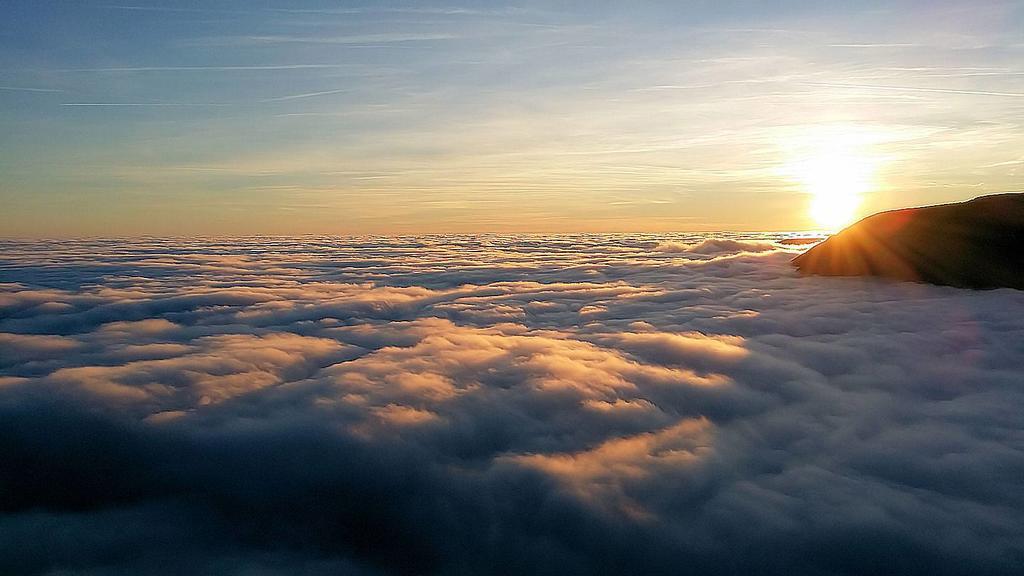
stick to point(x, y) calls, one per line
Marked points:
point(568, 404)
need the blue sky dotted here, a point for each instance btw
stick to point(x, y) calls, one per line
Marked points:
point(393, 118)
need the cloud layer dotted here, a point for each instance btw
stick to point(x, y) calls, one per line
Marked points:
point(499, 404)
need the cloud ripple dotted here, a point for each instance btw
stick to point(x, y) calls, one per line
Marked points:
point(583, 404)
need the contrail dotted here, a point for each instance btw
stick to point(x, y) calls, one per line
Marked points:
point(204, 68)
point(307, 95)
point(914, 89)
point(138, 104)
point(168, 9)
point(22, 89)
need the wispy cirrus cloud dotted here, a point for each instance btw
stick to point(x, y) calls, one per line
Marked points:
point(379, 38)
point(144, 104)
point(29, 89)
point(154, 8)
point(368, 9)
point(210, 68)
point(915, 89)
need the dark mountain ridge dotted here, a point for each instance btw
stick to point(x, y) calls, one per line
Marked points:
point(974, 244)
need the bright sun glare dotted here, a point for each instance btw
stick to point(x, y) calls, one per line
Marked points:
point(836, 175)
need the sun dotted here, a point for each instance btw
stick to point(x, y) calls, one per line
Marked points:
point(836, 181)
point(835, 173)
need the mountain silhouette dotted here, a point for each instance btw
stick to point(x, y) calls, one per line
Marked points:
point(974, 244)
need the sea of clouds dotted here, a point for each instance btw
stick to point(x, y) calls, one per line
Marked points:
point(586, 404)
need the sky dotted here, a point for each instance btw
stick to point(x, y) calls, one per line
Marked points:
point(367, 118)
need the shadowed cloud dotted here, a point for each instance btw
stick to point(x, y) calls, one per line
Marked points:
point(503, 404)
